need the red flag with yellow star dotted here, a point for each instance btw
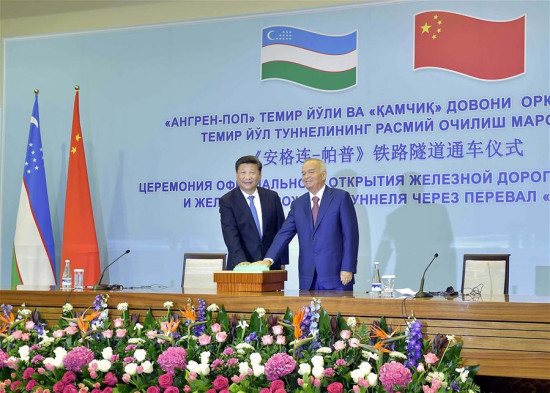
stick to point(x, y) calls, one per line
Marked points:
point(482, 49)
point(79, 237)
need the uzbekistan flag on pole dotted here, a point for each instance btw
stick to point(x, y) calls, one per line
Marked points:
point(322, 62)
point(479, 48)
point(33, 260)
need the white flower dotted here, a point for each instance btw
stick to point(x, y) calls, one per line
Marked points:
point(168, 305)
point(140, 354)
point(243, 368)
point(244, 346)
point(370, 355)
point(67, 307)
point(131, 368)
point(205, 357)
point(193, 366)
point(356, 374)
point(260, 311)
point(204, 369)
point(122, 306)
point(147, 367)
point(258, 370)
point(138, 326)
point(398, 355)
point(365, 367)
point(104, 365)
point(317, 361)
point(46, 340)
point(242, 324)
point(463, 373)
point(24, 353)
point(24, 312)
point(352, 322)
point(451, 338)
point(60, 353)
point(304, 368)
point(107, 353)
point(255, 358)
point(373, 379)
point(436, 374)
point(58, 363)
point(314, 332)
point(318, 372)
point(212, 308)
point(136, 340)
point(49, 361)
point(324, 350)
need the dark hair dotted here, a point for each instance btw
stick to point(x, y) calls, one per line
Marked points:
point(248, 160)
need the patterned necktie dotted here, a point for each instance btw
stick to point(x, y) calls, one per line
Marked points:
point(315, 209)
point(255, 214)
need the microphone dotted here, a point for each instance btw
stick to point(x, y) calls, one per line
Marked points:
point(421, 292)
point(103, 287)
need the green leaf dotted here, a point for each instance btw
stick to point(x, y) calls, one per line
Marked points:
point(149, 322)
point(223, 319)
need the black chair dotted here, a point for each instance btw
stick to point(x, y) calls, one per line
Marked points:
point(491, 270)
point(199, 268)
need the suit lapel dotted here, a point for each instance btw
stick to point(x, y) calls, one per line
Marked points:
point(243, 205)
point(323, 208)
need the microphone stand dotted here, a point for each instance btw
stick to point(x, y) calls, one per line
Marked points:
point(108, 287)
point(421, 293)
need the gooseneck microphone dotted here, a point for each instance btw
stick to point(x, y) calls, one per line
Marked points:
point(100, 286)
point(421, 292)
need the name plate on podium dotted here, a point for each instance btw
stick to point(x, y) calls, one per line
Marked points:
point(269, 281)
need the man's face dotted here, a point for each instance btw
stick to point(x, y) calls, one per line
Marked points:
point(313, 177)
point(248, 177)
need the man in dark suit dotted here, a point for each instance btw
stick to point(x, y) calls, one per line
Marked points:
point(250, 217)
point(324, 219)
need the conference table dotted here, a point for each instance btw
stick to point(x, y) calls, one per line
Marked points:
point(507, 335)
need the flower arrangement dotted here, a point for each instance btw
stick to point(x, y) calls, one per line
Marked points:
point(205, 350)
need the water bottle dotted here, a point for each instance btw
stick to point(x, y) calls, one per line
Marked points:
point(66, 278)
point(376, 286)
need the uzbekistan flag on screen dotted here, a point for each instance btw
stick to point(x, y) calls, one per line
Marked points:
point(319, 61)
point(479, 48)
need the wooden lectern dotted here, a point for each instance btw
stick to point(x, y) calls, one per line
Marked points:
point(269, 281)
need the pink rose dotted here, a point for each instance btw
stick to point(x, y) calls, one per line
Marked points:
point(68, 377)
point(29, 371)
point(236, 379)
point(71, 330)
point(354, 343)
point(108, 390)
point(126, 378)
point(220, 382)
point(93, 374)
point(300, 382)
point(17, 334)
point(70, 389)
point(120, 333)
point(420, 368)
point(110, 379)
point(41, 370)
point(204, 339)
point(216, 328)
point(58, 333)
point(221, 337)
point(118, 323)
point(211, 391)
point(153, 389)
point(277, 330)
point(171, 389)
point(279, 391)
point(50, 367)
point(139, 369)
point(436, 384)
point(107, 333)
point(192, 376)
point(165, 380)
point(267, 339)
point(356, 389)
point(339, 345)
point(187, 389)
point(26, 336)
point(430, 358)
point(345, 334)
point(277, 384)
point(281, 340)
point(151, 334)
point(30, 386)
point(29, 325)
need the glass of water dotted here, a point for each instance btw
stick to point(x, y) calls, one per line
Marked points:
point(388, 282)
point(78, 279)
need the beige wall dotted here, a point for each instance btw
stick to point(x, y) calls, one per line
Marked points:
point(30, 17)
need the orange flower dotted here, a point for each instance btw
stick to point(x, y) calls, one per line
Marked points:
point(84, 321)
point(382, 337)
point(379, 346)
point(8, 319)
point(188, 313)
point(169, 327)
point(297, 321)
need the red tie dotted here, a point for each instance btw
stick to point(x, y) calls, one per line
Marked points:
point(315, 209)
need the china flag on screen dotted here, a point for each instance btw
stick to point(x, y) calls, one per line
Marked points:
point(482, 49)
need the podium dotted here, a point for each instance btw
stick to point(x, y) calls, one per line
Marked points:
point(269, 281)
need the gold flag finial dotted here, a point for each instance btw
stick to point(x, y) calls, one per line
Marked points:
point(36, 91)
point(77, 88)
